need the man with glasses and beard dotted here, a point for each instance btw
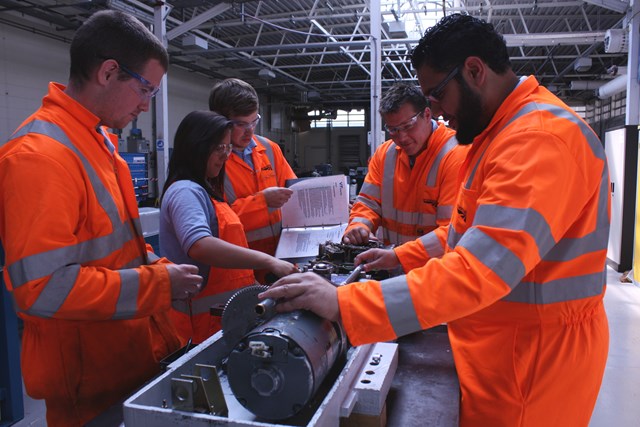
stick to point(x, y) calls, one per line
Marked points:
point(519, 274)
point(256, 171)
point(93, 297)
point(423, 156)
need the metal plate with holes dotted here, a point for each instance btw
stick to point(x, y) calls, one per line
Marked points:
point(151, 405)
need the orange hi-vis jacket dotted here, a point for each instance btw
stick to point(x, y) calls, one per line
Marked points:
point(201, 325)
point(406, 201)
point(95, 309)
point(521, 276)
point(243, 186)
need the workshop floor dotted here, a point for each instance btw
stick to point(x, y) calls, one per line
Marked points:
point(619, 400)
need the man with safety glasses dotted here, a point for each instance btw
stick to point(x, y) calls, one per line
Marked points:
point(93, 297)
point(519, 274)
point(256, 171)
point(411, 184)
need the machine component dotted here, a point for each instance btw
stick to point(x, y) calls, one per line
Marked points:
point(200, 392)
point(335, 262)
point(240, 316)
point(275, 370)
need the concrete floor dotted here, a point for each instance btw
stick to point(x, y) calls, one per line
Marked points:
point(619, 400)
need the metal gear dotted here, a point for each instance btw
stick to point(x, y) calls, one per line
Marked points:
point(239, 315)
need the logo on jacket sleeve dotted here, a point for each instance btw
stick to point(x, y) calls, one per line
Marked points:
point(462, 213)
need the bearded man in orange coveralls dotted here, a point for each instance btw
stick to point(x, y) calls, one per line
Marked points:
point(519, 273)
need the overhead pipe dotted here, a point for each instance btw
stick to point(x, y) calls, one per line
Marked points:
point(617, 85)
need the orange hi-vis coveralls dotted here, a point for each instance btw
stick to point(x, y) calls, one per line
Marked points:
point(94, 300)
point(406, 201)
point(242, 190)
point(520, 276)
point(202, 324)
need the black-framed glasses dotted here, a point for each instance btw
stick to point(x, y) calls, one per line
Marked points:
point(436, 93)
point(247, 126)
point(223, 149)
point(146, 91)
point(405, 126)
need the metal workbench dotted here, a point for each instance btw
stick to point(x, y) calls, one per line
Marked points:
point(425, 390)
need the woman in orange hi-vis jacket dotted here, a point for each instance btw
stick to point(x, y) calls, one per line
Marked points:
point(422, 155)
point(93, 297)
point(519, 275)
point(197, 225)
point(256, 170)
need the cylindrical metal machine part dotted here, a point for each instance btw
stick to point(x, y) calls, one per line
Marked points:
point(266, 308)
point(275, 369)
point(324, 269)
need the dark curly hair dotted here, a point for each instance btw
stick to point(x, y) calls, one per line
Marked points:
point(457, 37)
point(400, 94)
point(198, 134)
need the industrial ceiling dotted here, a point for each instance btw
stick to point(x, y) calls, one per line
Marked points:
point(317, 53)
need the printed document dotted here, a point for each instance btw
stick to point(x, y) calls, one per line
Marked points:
point(317, 212)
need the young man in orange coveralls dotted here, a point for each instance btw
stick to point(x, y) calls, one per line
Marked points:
point(422, 154)
point(256, 171)
point(519, 274)
point(93, 297)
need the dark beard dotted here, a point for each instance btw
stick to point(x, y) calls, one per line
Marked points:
point(469, 115)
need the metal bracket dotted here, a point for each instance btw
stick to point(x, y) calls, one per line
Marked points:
point(200, 392)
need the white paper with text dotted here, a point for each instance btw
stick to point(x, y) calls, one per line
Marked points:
point(317, 212)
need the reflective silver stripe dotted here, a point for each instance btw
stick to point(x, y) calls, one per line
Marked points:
point(272, 230)
point(229, 192)
point(136, 262)
point(433, 172)
point(432, 245)
point(518, 219)
point(453, 237)
point(370, 189)
point(152, 257)
point(138, 226)
point(45, 263)
point(371, 204)
point(400, 309)
point(566, 249)
point(363, 221)
point(63, 264)
point(397, 238)
point(410, 218)
point(444, 212)
point(496, 257)
point(587, 132)
point(386, 200)
point(55, 293)
point(570, 248)
point(126, 306)
point(567, 289)
point(269, 150)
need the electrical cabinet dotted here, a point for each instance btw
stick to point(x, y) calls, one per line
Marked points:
point(139, 167)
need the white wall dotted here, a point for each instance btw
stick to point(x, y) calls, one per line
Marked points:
point(28, 62)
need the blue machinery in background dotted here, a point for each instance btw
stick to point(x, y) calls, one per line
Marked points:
point(11, 405)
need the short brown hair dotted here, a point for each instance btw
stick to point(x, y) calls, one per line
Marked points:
point(233, 97)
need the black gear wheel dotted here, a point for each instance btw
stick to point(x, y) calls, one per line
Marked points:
point(239, 315)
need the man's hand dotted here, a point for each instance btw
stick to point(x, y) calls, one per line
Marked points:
point(277, 196)
point(356, 236)
point(185, 281)
point(378, 259)
point(306, 291)
point(282, 268)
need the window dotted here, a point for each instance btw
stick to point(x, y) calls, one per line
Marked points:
point(343, 118)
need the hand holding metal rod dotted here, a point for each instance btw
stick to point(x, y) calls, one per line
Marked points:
point(267, 308)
